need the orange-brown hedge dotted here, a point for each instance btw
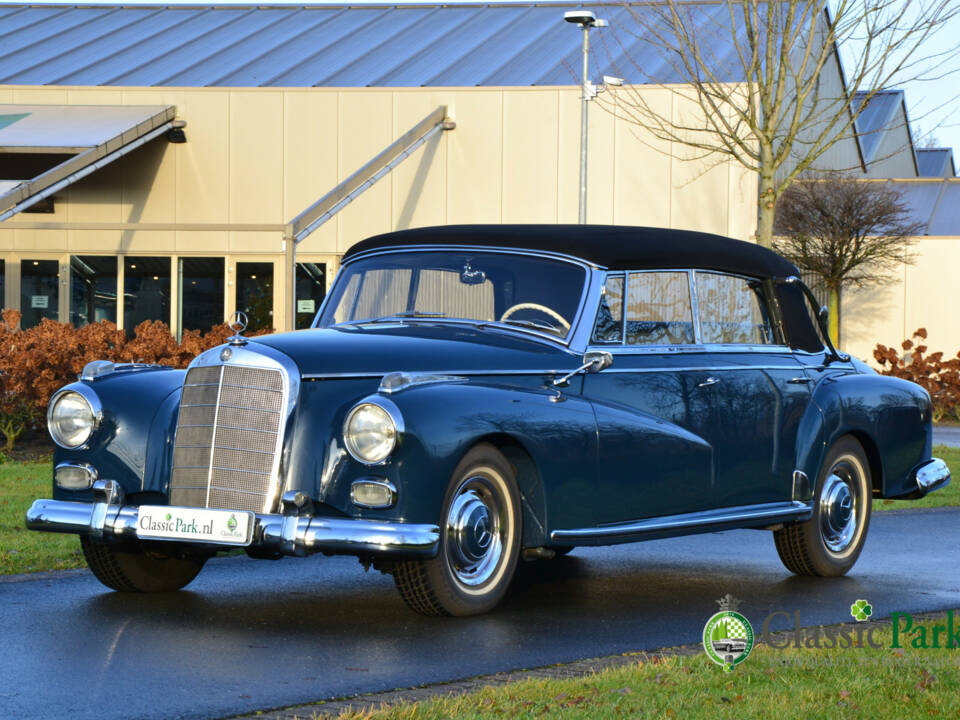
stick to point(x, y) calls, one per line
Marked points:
point(939, 376)
point(36, 362)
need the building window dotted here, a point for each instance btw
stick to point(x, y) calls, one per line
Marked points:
point(39, 291)
point(311, 289)
point(93, 289)
point(255, 294)
point(146, 290)
point(201, 293)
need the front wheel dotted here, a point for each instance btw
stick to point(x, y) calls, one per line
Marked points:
point(139, 570)
point(479, 541)
point(829, 543)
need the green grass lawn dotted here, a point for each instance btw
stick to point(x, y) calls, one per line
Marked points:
point(782, 684)
point(24, 551)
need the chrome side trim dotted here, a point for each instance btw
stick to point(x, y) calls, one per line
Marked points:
point(398, 381)
point(932, 476)
point(272, 532)
point(463, 374)
point(104, 368)
point(723, 516)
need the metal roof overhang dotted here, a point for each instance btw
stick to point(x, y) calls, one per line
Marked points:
point(94, 135)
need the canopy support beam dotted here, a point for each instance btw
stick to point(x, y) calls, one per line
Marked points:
point(346, 192)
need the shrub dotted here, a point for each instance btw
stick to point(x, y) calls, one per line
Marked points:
point(36, 362)
point(938, 376)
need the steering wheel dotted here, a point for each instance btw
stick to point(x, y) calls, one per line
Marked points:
point(539, 308)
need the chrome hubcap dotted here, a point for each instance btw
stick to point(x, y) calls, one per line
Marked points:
point(839, 507)
point(475, 533)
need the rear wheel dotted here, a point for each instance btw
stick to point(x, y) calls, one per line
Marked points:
point(829, 543)
point(139, 570)
point(479, 541)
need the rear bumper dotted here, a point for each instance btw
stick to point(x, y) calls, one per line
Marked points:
point(289, 533)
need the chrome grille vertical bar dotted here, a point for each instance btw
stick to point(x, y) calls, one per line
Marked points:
point(213, 436)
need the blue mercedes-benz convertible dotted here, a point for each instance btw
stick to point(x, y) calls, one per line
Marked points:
point(470, 396)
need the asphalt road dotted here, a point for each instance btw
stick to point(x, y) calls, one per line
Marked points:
point(946, 435)
point(250, 635)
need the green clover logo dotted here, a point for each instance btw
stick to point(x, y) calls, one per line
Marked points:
point(168, 516)
point(861, 610)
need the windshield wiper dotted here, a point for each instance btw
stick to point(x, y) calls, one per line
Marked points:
point(535, 325)
point(408, 314)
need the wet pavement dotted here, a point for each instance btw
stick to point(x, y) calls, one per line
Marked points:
point(250, 635)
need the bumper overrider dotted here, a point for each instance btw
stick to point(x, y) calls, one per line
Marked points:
point(929, 476)
point(294, 531)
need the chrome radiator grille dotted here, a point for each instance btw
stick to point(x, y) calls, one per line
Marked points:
point(227, 438)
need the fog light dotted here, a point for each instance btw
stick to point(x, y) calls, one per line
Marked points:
point(369, 493)
point(75, 476)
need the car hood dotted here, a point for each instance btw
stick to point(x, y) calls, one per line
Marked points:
point(415, 347)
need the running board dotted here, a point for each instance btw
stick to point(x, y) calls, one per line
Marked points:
point(744, 516)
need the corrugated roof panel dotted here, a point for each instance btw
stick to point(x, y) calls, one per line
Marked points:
point(483, 61)
point(142, 46)
point(51, 69)
point(946, 221)
point(394, 53)
point(45, 25)
point(347, 49)
point(302, 46)
point(31, 65)
point(318, 29)
point(193, 51)
point(433, 59)
point(245, 50)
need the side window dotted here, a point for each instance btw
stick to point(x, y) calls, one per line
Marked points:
point(608, 329)
point(658, 309)
point(732, 311)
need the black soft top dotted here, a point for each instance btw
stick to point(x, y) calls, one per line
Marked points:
point(615, 247)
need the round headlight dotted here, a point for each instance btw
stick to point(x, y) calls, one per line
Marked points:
point(71, 419)
point(370, 433)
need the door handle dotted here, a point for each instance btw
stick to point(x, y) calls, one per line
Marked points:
point(798, 381)
point(708, 382)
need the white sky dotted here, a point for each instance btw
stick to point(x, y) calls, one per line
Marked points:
point(934, 105)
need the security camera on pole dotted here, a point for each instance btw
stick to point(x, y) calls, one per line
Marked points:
point(586, 20)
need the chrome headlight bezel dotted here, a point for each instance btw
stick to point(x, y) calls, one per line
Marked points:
point(392, 424)
point(95, 408)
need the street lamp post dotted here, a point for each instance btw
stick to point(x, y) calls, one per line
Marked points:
point(586, 20)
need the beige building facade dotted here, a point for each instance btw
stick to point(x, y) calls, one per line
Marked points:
point(254, 159)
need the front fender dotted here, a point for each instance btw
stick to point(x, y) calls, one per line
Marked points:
point(443, 421)
point(889, 416)
point(134, 441)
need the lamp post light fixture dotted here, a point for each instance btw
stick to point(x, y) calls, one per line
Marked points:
point(586, 20)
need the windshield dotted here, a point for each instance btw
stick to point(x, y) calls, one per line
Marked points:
point(534, 293)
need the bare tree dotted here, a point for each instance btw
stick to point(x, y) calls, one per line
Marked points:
point(754, 73)
point(844, 231)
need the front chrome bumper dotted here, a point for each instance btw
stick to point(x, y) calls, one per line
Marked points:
point(293, 532)
point(931, 475)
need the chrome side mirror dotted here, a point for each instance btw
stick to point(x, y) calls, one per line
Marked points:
point(597, 360)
